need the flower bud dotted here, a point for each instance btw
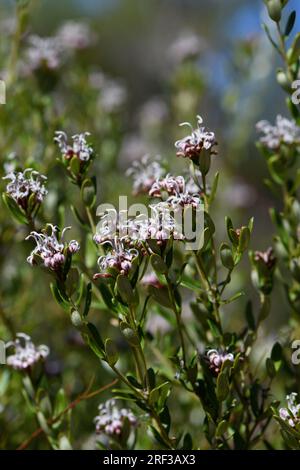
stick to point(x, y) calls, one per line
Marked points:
point(274, 9)
point(283, 80)
point(76, 319)
point(263, 264)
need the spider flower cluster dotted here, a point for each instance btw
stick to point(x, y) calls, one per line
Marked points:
point(74, 35)
point(27, 189)
point(129, 238)
point(179, 193)
point(264, 264)
point(76, 154)
point(199, 143)
point(50, 249)
point(25, 353)
point(43, 53)
point(113, 422)
point(216, 359)
point(119, 258)
point(284, 132)
point(144, 173)
point(291, 414)
point(78, 148)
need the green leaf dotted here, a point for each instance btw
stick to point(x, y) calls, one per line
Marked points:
point(244, 239)
point(161, 296)
point(204, 239)
point(222, 386)
point(81, 289)
point(208, 222)
point(106, 295)
point(88, 192)
point(43, 423)
point(290, 23)
point(64, 443)
point(158, 264)
point(233, 237)
point(222, 428)
point(151, 377)
point(229, 225)
point(60, 402)
point(251, 224)
point(59, 297)
point(276, 354)
point(16, 212)
point(72, 281)
point(271, 371)
point(134, 382)
point(165, 418)
point(189, 283)
point(233, 298)
point(249, 316)
point(276, 169)
point(75, 165)
point(267, 31)
point(214, 328)
point(95, 340)
point(125, 290)
point(294, 51)
point(226, 256)
point(88, 299)
point(111, 352)
point(157, 436)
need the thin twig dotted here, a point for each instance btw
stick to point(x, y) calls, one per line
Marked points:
point(83, 396)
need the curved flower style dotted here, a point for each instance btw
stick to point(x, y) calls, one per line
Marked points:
point(291, 414)
point(26, 354)
point(119, 258)
point(217, 358)
point(144, 173)
point(200, 139)
point(79, 148)
point(26, 185)
point(50, 249)
point(111, 420)
point(284, 131)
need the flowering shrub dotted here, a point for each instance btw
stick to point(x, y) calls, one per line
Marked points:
point(147, 309)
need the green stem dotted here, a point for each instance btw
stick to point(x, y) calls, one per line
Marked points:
point(91, 220)
point(178, 319)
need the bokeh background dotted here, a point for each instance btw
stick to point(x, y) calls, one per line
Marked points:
point(149, 65)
